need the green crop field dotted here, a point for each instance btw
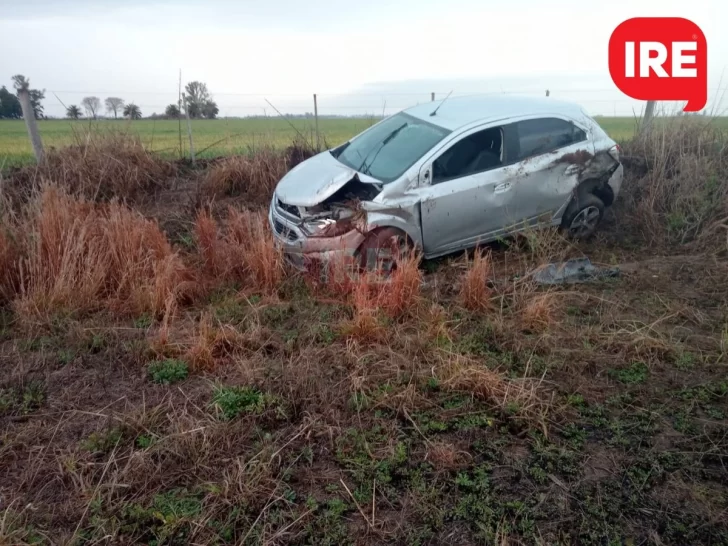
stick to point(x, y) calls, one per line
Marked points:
point(215, 137)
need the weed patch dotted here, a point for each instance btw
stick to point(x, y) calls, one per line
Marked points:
point(168, 371)
point(231, 402)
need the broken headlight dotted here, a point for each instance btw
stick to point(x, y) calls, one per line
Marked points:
point(328, 227)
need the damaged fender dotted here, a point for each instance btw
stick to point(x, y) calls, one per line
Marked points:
point(405, 217)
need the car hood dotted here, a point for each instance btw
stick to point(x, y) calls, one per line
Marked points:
point(316, 179)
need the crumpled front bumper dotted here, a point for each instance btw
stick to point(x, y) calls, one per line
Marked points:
point(299, 249)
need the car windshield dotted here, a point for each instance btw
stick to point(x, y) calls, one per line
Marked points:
point(391, 147)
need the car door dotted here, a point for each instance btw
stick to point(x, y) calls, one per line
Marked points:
point(551, 153)
point(465, 187)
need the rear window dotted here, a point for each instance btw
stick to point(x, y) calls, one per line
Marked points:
point(539, 136)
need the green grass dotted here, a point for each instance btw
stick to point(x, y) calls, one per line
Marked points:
point(217, 137)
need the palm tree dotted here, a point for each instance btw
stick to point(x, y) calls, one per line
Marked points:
point(73, 112)
point(132, 111)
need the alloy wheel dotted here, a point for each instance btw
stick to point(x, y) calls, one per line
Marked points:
point(585, 222)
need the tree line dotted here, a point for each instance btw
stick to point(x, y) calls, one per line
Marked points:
point(197, 101)
point(10, 105)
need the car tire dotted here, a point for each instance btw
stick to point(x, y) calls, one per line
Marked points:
point(582, 216)
point(382, 249)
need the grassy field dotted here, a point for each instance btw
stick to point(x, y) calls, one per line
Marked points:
point(215, 137)
point(211, 137)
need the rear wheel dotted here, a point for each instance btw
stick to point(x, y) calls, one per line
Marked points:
point(583, 215)
point(383, 249)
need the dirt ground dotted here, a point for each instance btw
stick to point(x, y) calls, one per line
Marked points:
point(590, 413)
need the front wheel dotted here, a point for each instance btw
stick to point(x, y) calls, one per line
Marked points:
point(383, 249)
point(582, 216)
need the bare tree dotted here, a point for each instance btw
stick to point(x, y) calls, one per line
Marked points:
point(22, 85)
point(114, 104)
point(92, 105)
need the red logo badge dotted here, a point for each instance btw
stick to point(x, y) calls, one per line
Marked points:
point(660, 58)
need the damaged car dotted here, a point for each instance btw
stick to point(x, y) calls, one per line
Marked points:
point(445, 176)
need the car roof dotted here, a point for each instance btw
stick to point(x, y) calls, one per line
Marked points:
point(456, 112)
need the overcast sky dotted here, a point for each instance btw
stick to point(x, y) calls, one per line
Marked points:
point(358, 56)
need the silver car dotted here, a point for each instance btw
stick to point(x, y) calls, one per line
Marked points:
point(445, 176)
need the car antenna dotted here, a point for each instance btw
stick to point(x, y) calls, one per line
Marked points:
point(438, 106)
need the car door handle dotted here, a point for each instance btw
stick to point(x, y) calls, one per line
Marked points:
point(502, 188)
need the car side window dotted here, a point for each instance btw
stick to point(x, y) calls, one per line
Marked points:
point(539, 136)
point(475, 153)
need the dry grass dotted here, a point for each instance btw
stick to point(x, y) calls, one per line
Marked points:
point(242, 250)
point(679, 193)
point(209, 244)
point(475, 294)
point(512, 396)
point(75, 256)
point(252, 249)
point(366, 300)
point(9, 256)
point(539, 312)
point(99, 166)
point(401, 292)
point(374, 296)
point(336, 277)
point(202, 353)
point(446, 456)
point(253, 176)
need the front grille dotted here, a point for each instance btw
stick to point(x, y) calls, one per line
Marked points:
point(290, 209)
point(284, 231)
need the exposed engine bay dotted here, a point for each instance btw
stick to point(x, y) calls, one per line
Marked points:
point(342, 204)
